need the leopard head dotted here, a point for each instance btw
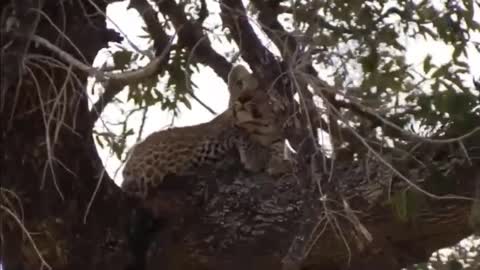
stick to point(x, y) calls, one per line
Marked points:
point(254, 110)
point(239, 80)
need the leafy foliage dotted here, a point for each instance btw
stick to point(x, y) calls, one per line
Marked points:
point(366, 45)
point(375, 33)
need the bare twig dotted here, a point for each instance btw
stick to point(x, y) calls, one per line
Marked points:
point(370, 114)
point(27, 233)
point(132, 44)
point(90, 202)
point(124, 77)
point(69, 58)
point(382, 160)
point(188, 82)
point(48, 142)
point(142, 123)
point(4, 192)
point(203, 104)
point(13, 67)
point(62, 34)
point(116, 84)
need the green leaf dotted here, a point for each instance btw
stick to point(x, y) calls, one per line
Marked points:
point(122, 59)
point(148, 97)
point(441, 72)
point(370, 62)
point(454, 265)
point(187, 103)
point(426, 30)
point(99, 141)
point(457, 52)
point(468, 13)
point(427, 63)
point(422, 266)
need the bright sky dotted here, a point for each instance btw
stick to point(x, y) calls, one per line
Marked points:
point(211, 89)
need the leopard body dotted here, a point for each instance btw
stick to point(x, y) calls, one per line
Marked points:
point(180, 150)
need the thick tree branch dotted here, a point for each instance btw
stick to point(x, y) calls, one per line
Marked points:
point(239, 215)
point(293, 60)
point(271, 72)
point(203, 13)
point(284, 41)
point(299, 63)
point(191, 36)
point(260, 59)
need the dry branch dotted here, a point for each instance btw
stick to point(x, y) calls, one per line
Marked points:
point(114, 82)
point(24, 24)
point(162, 45)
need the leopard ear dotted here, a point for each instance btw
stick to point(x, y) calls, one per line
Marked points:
point(239, 80)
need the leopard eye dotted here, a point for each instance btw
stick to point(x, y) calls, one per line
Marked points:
point(256, 113)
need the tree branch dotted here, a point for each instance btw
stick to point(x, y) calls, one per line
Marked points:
point(203, 13)
point(284, 41)
point(114, 82)
point(291, 53)
point(162, 44)
point(260, 59)
point(191, 36)
point(154, 27)
point(23, 21)
point(271, 73)
point(239, 215)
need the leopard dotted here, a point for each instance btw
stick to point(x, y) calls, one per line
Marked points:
point(250, 122)
point(281, 160)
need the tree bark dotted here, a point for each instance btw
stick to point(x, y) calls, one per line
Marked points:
point(49, 167)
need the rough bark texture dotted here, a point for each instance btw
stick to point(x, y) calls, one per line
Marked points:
point(79, 219)
point(53, 180)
